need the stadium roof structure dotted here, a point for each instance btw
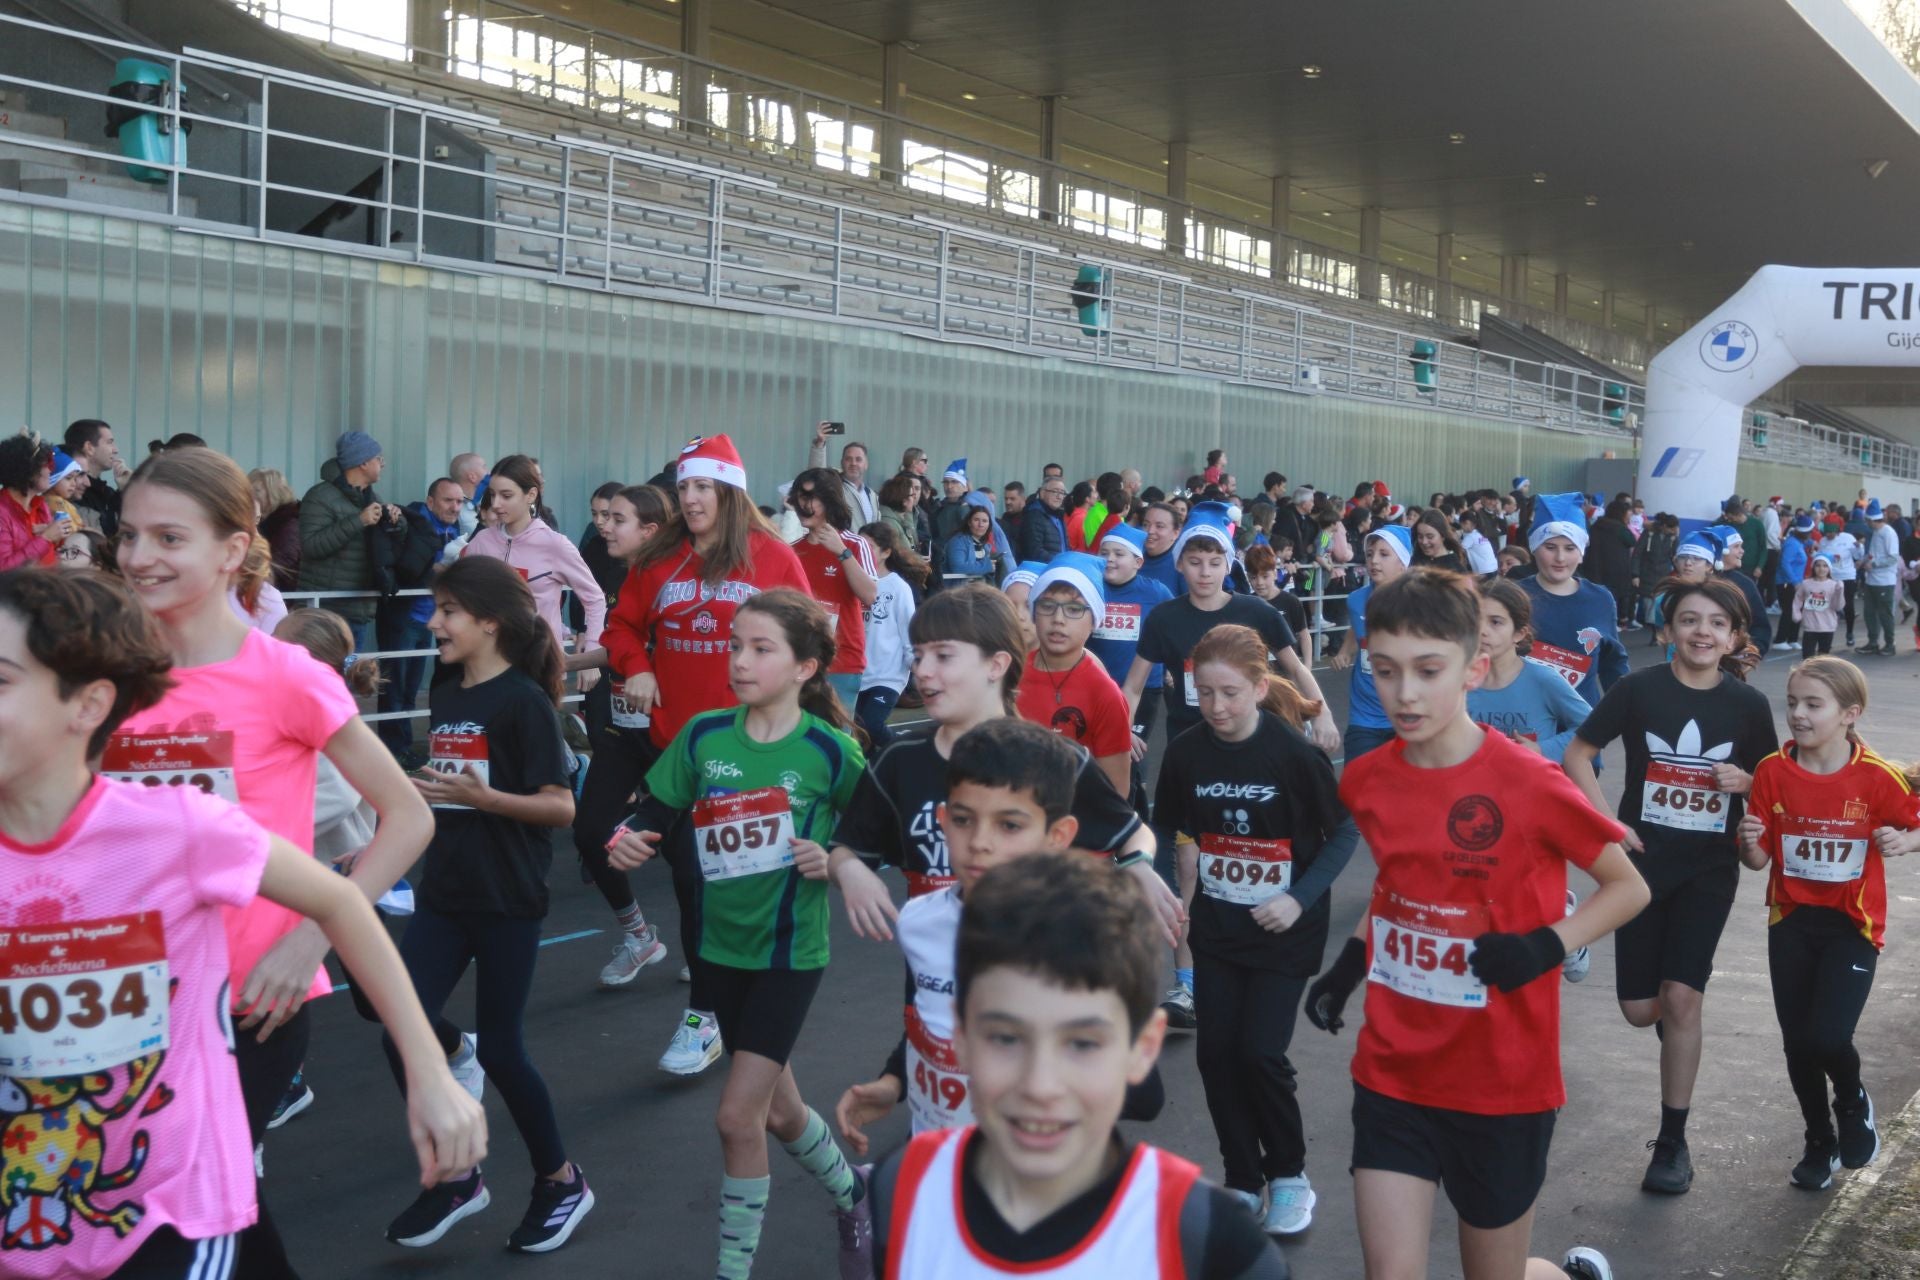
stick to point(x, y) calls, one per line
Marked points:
point(1659, 150)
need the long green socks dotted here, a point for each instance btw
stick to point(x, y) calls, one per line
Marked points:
point(743, 1206)
point(820, 1155)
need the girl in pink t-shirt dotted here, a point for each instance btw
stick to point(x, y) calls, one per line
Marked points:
point(247, 719)
point(120, 1151)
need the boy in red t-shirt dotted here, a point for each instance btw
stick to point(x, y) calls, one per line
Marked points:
point(840, 570)
point(1065, 689)
point(1457, 1070)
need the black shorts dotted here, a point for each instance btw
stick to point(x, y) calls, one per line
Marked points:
point(1674, 938)
point(1491, 1167)
point(762, 1010)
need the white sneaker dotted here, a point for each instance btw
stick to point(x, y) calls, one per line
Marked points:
point(695, 1045)
point(1290, 1204)
point(1576, 966)
point(635, 952)
point(465, 1065)
point(686, 974)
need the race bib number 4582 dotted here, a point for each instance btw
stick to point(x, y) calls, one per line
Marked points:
point(82, 996)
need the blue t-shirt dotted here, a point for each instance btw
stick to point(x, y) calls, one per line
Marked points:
point(1161, 569)
point(1578, 636)
point(1539, 705)
point(1363, 700)
point(1118, 633)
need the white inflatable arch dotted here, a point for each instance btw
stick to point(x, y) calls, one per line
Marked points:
point(1782, 319)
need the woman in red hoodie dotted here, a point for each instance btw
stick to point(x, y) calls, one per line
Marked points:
point(667, 641)
point(28, 532)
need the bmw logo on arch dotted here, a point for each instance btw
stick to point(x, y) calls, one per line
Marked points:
point(1729, 346)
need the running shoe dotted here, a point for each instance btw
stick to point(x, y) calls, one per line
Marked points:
point(1816, 1168)
point(435, 1210)
point(1251, 1199)
point(1582, 1263)
point(553, 1213)
point(1178, 1003)
point(1670, 1172)
point(1859, 1137)
point(695, 1045)
point(1290, 1204)
point(296, 1099)
point(1576, 966)
point(635, 952)
point(686, 974)
point(856, 1228)
point(466, 1068)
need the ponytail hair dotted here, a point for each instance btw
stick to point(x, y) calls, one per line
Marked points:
point(900, 557)
point(492, 591)
point(978, 615)
point(218, 486)
point(1849, 688)
point(804, 625)
point(1242, 649)
point(326, 636)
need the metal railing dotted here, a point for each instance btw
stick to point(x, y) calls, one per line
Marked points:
point(594, 213)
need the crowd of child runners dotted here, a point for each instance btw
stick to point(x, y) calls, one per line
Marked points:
point(179, 759)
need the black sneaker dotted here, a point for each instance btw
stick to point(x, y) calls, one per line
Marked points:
point(553, 1213)
point(296, 1099)
point(1178, 1002)
point(1859, 1138)
point(1582, 1263)
point(1670, 1172)
point(435, 1210)
point(1815, 1170)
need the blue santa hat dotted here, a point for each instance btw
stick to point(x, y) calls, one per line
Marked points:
point(1820, 557)
point(1873, 510)
point(1521, 482)
point(956, 470)
point(1803, 524)
point(1205, 520)
point(1701, 544)
point(1085, 574)
point(1559, 515)
point(1134, 540)
point(62, 466)
point(1397, 536)
point(1025, 574)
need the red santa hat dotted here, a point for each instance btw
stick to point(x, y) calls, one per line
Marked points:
point(712, 458)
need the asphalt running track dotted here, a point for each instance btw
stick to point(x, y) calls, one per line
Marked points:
point(338, 1173)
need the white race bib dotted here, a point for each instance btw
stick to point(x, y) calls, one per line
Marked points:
point(203, 760)
point(82, 997)
point(1193, 694)
point(1814, 604)
point(1244, 871)
point(456, 753)
point(833, 616)
point(626, 715)
point(1684, 797)
point(1366, 660)
point(1120, 622)
point(1568, 665)
point(1420, 950)
point(744, 833)
point(936, 1088)
point(1829, 850)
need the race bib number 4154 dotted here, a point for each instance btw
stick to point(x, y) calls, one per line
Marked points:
point(1420, 950)
point(82, 996)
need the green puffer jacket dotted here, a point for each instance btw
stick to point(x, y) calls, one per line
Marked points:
point(333, 546)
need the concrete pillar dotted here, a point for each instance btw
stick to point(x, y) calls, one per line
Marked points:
point(1606, 308)
point(1513, 277)
point(427, 32)
point(1280, 217)
point(1649, 321)
point(893, 101)
point(1443, 308)
point(1050, 152)
point(1370, 253)
point(1177, 199)
point(696, 42)
point(1560, 293)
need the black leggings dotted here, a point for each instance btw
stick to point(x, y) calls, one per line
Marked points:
point(266, 1070)
point(437, 950)
point(688, 886)
point(621, 758)
point(1822, 971)
point(1246, 1021)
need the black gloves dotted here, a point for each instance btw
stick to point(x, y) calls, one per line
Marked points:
point(1510, 961)
point(1327, 996)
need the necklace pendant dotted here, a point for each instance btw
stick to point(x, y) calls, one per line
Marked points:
point(1056, 697)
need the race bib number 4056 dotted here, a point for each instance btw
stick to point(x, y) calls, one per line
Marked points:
point(82, 996)
point(744, 833)
point(1684, 797)
point(1829, 850)
point(1420, 950)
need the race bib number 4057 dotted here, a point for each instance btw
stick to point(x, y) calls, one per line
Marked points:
point(82, 996)
point(744, 833)
point(1683, 796)
point(1420, 950)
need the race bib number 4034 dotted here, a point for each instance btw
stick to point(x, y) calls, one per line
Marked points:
point(82, 996)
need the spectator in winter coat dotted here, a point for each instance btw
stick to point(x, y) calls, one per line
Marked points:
point(90, 442)
point(401, 621)
point(28, 532)
point(339, 518)
point(1609, 557)
point(279, 523)
point(1043, 531)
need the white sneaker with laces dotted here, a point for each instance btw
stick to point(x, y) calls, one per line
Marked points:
point(1290, 1204)
point(695, 1045)
point(465, 1066)
point(634, 952)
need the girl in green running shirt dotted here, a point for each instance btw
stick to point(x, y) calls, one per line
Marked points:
point(763, 785)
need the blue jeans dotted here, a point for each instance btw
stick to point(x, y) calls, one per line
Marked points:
point(401, 692)
point(847, 685)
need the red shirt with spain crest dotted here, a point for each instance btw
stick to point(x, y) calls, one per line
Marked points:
point(1477, 847)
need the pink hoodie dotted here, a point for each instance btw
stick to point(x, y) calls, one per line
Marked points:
point(550, 563)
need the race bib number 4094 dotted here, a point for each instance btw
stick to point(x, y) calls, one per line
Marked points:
point(82, 996)
point(1243, 870)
